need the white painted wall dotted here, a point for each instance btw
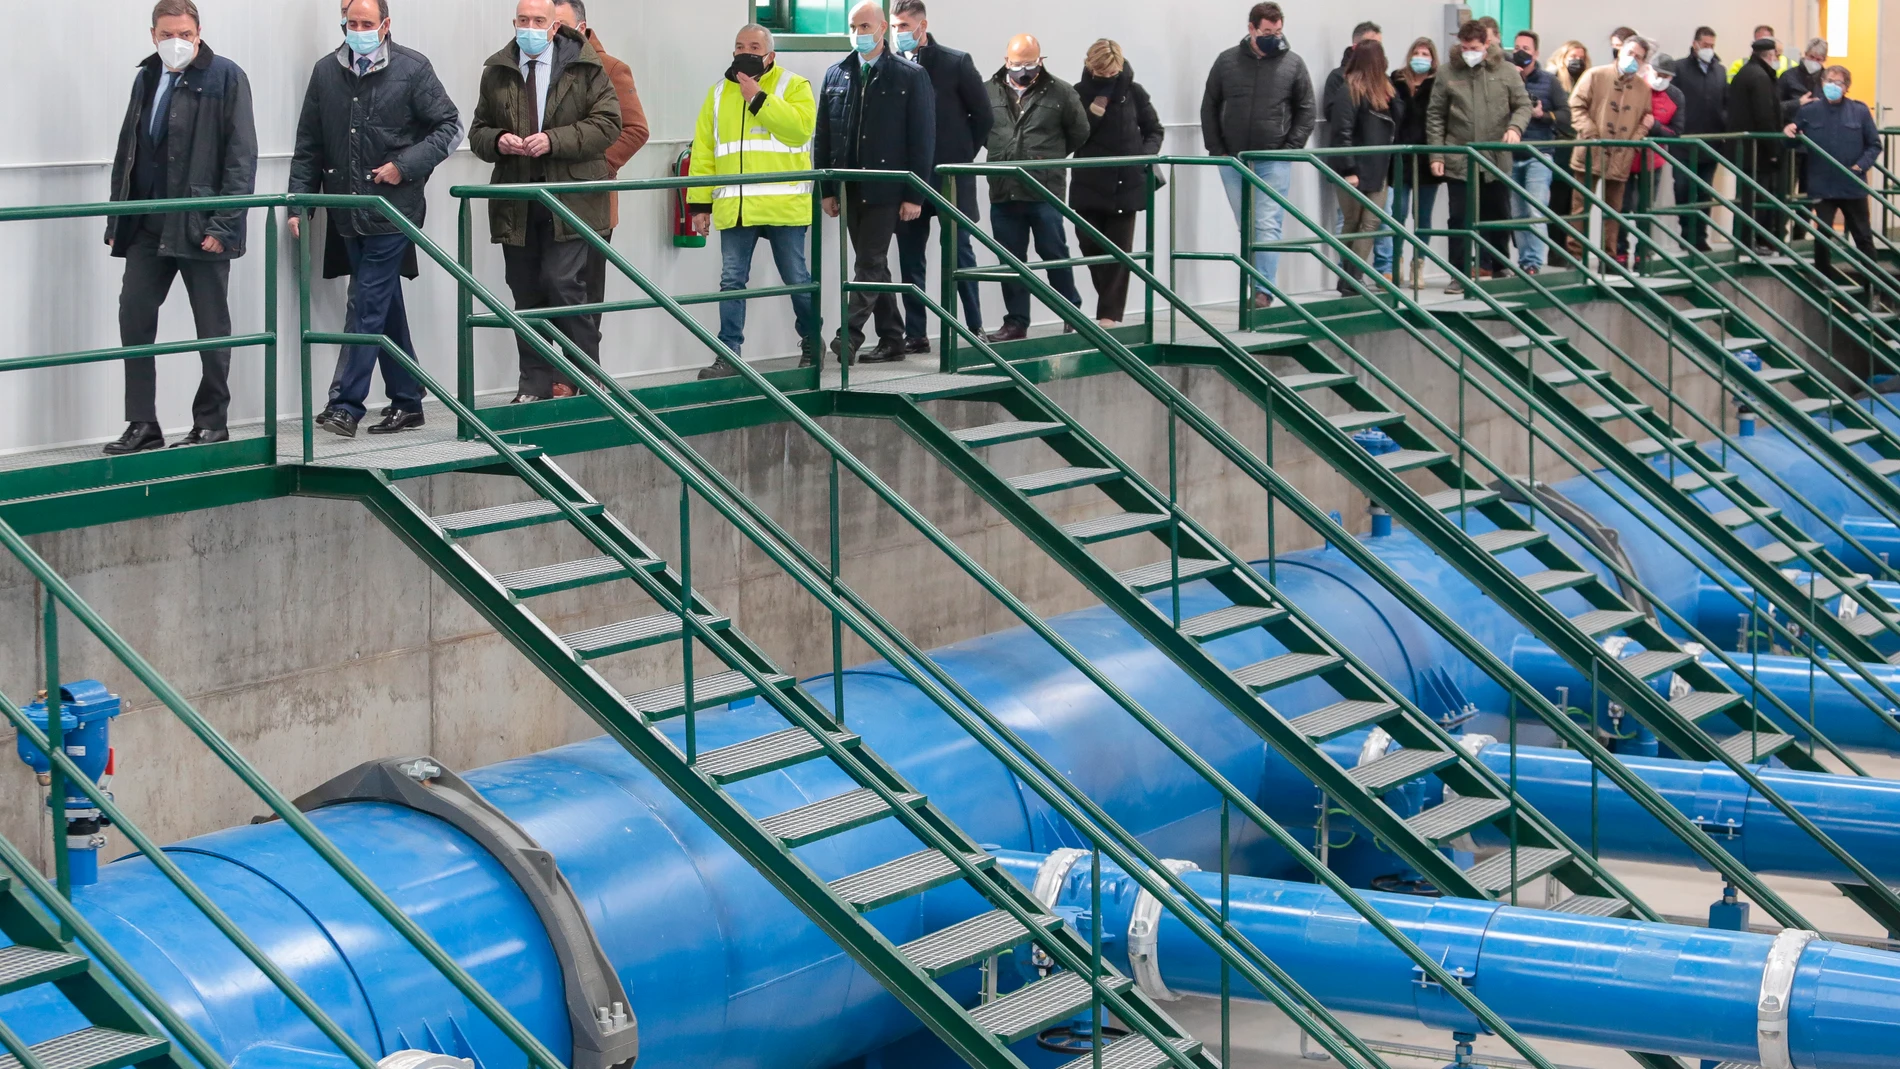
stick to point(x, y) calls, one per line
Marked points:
point(62, 287)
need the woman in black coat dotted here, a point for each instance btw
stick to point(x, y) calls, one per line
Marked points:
point(1122, 122)
point(1414, 188)
point(1365, 114)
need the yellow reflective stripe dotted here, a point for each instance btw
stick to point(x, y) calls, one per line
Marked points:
point(764, 189)
point(773, 145)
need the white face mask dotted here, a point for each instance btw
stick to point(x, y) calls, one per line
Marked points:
point(1706, 55)
point(1472, 59)
point(1659, 82)
point(175, 52)
point(1813, 65)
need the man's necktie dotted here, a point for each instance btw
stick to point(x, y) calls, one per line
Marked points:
point(534, 101)
point(158, 106)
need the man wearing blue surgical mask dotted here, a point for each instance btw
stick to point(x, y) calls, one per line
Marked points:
point(877, 112)
point(548, 113)
point(1849, 143)
point(1259, 97)
point(376, 122)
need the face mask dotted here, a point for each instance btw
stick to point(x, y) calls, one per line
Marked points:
point(1521, 58)
point(1472, 59)
point(1834, 91)
point(1421, 64)
point(865, 43)
point(1813, 65)
point(1574, 66)
point(906, 41)
point(363, 42)
point(175, 52)
point(1706, 55)
point(1270, 44)
point(532, 42)
point(1024, 75)
point(1629, 65)
point(1659, 83)
point(748, 64)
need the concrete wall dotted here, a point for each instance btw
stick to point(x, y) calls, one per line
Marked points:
point(314, 640)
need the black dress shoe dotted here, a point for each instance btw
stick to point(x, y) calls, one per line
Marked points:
point(887, 352)
point(916, 345)
point(526, 399)
point(395, 420)
point(203, 436)
point(138, 437)
point(338, 422)
point(1007, 333)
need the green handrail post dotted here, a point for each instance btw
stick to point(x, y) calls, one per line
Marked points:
point(1247, 208)
point(1151, 175)
point(947, 233)
point(270, 328)
point(56, 742)
point(303, 336)
point(464, 316)
point(686, 620)
point(847, 356)
point(817, 273)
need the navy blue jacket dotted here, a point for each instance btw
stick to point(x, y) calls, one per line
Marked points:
point(1542, 86)
point(889, 124)
point(209, 144)
point(1846, 132)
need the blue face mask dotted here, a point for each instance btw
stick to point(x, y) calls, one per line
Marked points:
point(1421, 64)
point(1834, 91)
point(531, 41)
point(1628, 65)
point(906, 42)
point(363, 42)
point(864, 43)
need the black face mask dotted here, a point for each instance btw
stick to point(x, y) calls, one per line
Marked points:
point(1270, 44)
point(1574, 66)
point(746, 63)
point(1025, 76)
point(1521, 58)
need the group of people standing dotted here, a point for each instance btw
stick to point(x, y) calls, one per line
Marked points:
point(555, 107)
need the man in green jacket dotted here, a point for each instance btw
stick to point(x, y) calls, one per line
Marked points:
point(548, 113)
point(1038, 117)
point(1480, 99)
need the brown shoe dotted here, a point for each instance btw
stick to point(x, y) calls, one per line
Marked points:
point(1007, 333)
point(1262, 300)
point(562, 389)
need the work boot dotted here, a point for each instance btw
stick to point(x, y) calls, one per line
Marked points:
point(721, 368)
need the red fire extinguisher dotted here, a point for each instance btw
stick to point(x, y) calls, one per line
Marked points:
point(684, 235)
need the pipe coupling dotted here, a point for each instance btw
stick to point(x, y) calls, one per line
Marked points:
point(1055, 869)
point(423, 1059)
point(1144, 935)
point(1777, 983)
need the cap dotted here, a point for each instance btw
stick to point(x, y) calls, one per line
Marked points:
point(1664, 64)
point(1765, 44)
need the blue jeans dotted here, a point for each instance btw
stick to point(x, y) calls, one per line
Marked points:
point(913, 262)
point(1402, 203)
point(375, 308)
point(1267, 214)
point(1014, 222)
point(1535, 178)
point(736, 246)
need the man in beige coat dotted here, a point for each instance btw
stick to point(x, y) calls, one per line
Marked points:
point(1610, 103)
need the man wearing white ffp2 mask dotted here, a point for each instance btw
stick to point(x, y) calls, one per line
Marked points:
point(1702, 80)
point(188, 129)
point(1476, 104)
point(1801, 83)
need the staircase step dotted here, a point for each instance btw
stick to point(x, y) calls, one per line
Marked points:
point(1443, 823)
point(1773, 375)
point(1651, 663)
point(1555, 579)
point(1286, 668)
point(93, 1048)
point(629, 635)
point(1113, 526)
point(1161, 574)
point(1885, 468)
point(1650, 446)
point(569, 575)
point(1408, 459)
point(1503, 541)
point(1604, 413)
point(1015, 430)
point(1033, 1007)
point(1566, 377)
point(509, 517)
point(828, 817)
point(1603, 621)
point(1397, 767)
point(1315, 380)
point(1737, 518)
point(1592, 906)
point(1696, 315)
point(932, 386)
point(894, 881)
point(1867, 623)
point(1341, 718)
point(1736, 345)
point(1654, 285)
point(1782, 552)
point(1058, 479)
point(1519, 342)
point(716, 689)
point(1812, 405)
point(1751, 748)
point(1229, 621)
point(1702, 704)
point(966, 942)
point(22, 967)
point(1135, 1052)
point(1691, 482)
point(1855, 435)
point(424, 458)
point(1358, 421)
point(1493, 875)
point(767, 753)
point(1448, 500)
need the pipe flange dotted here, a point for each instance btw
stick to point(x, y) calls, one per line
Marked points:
point(1055, 869)
point(1377, 742)
point(1144, 934)
point(423, 1059)
point(1777, 983)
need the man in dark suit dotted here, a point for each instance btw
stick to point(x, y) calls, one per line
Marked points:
point(963, 126)
point(877, 112)
point(1755, 108)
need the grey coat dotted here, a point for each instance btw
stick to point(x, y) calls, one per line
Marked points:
point(352, 124)
point(1254, 103)
point(211, 151)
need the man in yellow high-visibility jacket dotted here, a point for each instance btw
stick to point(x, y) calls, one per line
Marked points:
point(758, 120)
point(1781, 62)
